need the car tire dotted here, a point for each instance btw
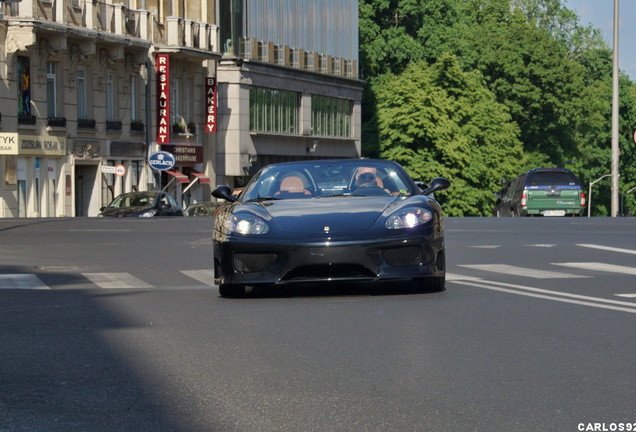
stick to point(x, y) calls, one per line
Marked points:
point(232, 291)
point(431, 283)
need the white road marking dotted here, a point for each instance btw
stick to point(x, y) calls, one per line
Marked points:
point(626, 295)
point(541, 245)
point(608, 248)
point(596, 266)
point(486, 247)
point(521, 271)
point(206, 277)
point(456, 276)
point(21, 281)
point(116, 280)
point(552, 295)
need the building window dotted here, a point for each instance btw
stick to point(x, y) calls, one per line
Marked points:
point(110, 97)
point(331, 116)
point(82, 95)
point(51, 90)
point(134, 99)
point(24, 88)
point(274, 111)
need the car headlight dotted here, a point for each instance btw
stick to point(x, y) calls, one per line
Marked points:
point(148, 213)
point(243, 224)
point(408, 218)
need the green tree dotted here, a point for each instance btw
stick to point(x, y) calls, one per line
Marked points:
point(440, 121)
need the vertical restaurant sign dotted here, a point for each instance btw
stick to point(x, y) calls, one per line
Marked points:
point(163, 102)
point(210, 102)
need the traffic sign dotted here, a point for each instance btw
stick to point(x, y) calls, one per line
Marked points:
point(161, 160)
point(120, 170)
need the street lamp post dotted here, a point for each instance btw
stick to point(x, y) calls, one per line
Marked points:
point(589, 195)
point(615, 117)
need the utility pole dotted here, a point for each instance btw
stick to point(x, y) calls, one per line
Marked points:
point(615, 101)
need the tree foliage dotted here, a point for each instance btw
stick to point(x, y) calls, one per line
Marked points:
point(477, 90)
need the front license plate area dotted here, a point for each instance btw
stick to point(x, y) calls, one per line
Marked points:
point(553, 213)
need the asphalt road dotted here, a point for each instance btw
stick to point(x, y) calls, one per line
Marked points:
point(112, 325)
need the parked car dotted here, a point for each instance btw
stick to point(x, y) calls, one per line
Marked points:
point(206, 208)
point(142, 204)
point(541, 192)
point(329, 220)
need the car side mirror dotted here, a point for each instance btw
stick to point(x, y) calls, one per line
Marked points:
point(225, 193)
point(437, 184)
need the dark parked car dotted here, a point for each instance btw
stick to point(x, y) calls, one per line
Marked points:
point(541, 192)
point(202, 209)
point(329, 220)
point(142, 204)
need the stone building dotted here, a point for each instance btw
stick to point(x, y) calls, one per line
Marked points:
point(88, 90)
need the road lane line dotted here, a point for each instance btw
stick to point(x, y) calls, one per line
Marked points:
point(551, 295)
point(608, 248)
point(597, 266)
point(521, 271)
point(116, 280)
point(21, 281)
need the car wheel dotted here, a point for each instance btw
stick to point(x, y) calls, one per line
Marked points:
point(232, 291)
point(431, 283)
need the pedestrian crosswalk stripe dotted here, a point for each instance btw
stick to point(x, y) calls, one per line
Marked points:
point(608, 248)
point(521, 271)
point(206, 277)
point(116, 280)
point(596, 266)
point(21, 281)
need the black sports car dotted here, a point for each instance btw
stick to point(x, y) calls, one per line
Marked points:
point(142, 204)
point(329, 220)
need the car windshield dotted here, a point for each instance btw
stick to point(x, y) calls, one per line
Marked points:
point(139, 199)
point(548, 178)
point(329, 178)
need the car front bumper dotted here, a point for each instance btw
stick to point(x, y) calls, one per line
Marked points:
point(251, 262)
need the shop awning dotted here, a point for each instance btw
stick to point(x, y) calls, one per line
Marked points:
point(180, 177)
point(198, 177)
point(201, 177)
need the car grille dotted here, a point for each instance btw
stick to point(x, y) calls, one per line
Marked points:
point(329, 271)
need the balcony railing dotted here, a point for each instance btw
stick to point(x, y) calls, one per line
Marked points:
point(113, 126)
point(117, 19)
point(86, 124)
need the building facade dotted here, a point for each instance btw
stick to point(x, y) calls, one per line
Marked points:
point(88, 90)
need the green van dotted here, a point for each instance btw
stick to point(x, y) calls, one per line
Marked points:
point(541, 192)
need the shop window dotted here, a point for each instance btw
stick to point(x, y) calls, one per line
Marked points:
point(274, 111)
point(331, 117)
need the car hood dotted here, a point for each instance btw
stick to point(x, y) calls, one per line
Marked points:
point(125, 211)
point(334, 215)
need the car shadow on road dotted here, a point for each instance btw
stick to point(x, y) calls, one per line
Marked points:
point(336, 289)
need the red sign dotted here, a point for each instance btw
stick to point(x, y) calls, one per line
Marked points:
point(163, 96)
point(210, 104)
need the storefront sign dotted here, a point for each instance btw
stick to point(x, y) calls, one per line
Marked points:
point(32, 145)
point(210, 100)
point(163, 95)
point(184, 154)
point(161, 160)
